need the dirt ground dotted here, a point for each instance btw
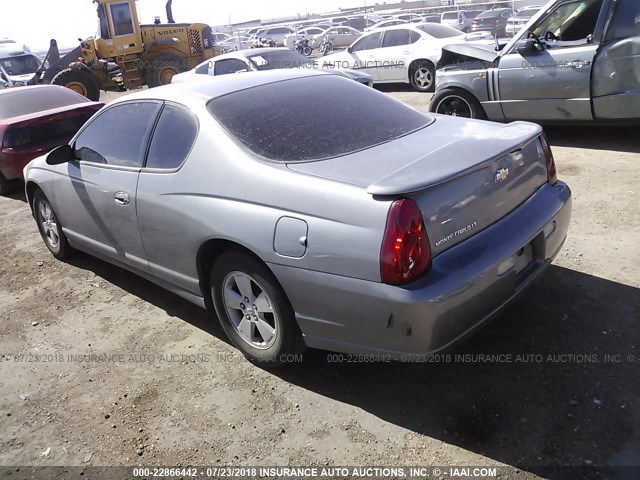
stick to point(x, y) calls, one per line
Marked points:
point(100, 367)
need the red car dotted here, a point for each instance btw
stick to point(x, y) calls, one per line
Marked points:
point(34, 120)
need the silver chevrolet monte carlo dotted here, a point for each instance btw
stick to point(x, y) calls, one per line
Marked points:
point(382, 231)
point(575, 61)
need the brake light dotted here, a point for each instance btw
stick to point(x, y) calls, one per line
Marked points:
point(497, 21)
point(552, 174)
point(405, 253)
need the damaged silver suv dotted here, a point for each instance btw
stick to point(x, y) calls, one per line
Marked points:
point(575, 61)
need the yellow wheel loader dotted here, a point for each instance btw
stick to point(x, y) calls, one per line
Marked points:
point(126, 55)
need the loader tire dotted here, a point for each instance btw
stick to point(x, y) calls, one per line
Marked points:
point(162, 68)
point(80, 81)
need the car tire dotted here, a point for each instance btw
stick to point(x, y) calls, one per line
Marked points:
point(266, 332)
point(50, 227)
point(422, 76)
point(80, 81)
point(163, 67)
point(457, 103)
point(6, 186)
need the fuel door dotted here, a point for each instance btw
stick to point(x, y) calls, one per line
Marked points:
point(290, 239)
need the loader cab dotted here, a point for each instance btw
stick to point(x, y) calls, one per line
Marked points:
point(118, 28)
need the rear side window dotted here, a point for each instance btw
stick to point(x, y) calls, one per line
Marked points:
point(394, 38)
point(173, 138)
point(325, 116)
point(119, 135)
point(230, 65)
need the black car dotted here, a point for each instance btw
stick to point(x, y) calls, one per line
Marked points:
point(494, 21)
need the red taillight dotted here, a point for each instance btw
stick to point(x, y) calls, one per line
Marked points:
point(497, 21)
point(405, 252)
point(552, 174)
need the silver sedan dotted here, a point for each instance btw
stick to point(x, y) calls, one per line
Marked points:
point(308, 210)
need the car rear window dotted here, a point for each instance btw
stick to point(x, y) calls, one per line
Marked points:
point(490, 14)
point(313, 118)
point(439, 31)
point(450, 16)
point(27, 100)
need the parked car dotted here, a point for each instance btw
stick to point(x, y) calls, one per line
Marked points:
point(255, 60)
point(18, 66)
point(360, 24)
point(338, 36)
point(569, 64)
point(220, 37)
point(33, 120)
point(494, 21)
point(459, 19)
point(432, 18)
point(235, 42)
point(277, 34)
point(394, 232)
point(410, 17)
point(385, 23)
point(405, 53)
point(520, 19)
point(308, 32)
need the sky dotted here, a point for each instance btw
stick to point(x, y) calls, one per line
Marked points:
point(35, 22)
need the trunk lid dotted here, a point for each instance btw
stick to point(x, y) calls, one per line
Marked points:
point(464, 175)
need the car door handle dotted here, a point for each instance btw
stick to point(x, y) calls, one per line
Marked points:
point(122, 198)
point(580, 64)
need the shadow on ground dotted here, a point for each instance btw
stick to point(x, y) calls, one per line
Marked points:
point(616, 139)
point(566, 390)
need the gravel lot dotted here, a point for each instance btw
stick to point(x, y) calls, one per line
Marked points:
point(566, 391)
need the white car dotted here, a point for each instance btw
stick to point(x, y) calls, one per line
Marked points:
point(18, 66)
point(460, 20)
point(338, 36)
point(385, 23)
point(235, 43)
point(308, 32)
point(260, 59)
point(277, 34)
point(220, 37)
point(400, 54)
point(520, 19)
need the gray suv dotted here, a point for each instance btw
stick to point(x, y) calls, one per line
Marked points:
point(575, 61)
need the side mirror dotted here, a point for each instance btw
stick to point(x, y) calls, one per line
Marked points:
point(349, 49)
point(60, 155)
point(526, 47)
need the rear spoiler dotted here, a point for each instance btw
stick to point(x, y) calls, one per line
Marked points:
point(452, 160)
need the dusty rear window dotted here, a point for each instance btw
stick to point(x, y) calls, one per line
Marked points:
point(313, 118)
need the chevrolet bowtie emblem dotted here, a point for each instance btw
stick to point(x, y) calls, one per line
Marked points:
point(502, 174)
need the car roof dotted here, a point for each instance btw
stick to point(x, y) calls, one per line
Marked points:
point(208, 87)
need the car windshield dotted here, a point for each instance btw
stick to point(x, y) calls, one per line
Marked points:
point(284, 58)
point(439, 31)
point(20, 64)
point(27, 100)
point(282, 121)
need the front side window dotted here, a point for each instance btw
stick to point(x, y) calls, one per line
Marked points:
point(368, 43)
point(118, 136)
point(230, 65)
point(570, 21)
point(173, 138)
point(122, 21)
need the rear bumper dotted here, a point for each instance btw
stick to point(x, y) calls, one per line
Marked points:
point(467, 285)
